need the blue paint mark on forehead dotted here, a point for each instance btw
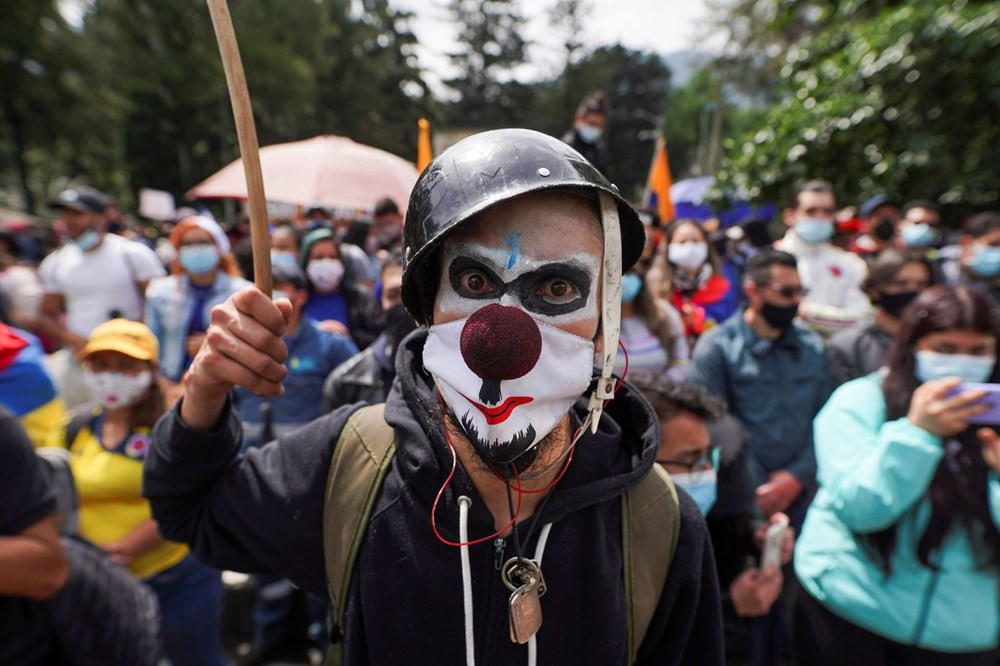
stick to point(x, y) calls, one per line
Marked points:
point(512, 241)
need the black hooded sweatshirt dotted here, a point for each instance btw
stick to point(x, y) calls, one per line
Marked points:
point(263, 513)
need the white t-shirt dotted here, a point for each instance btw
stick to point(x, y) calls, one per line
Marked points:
point(98, 283)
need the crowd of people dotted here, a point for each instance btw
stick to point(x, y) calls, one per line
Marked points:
point(807, 384)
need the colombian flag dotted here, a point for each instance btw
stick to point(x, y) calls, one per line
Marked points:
point(658, 185)
point(424, 155)
point(25, 386)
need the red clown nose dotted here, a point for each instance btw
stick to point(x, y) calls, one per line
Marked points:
point(500, 343)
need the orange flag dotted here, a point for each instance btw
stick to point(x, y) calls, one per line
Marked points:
point(424, 155)
point(658, 185)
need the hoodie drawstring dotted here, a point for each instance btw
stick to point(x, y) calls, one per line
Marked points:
point(543, 536)
point(463, 530)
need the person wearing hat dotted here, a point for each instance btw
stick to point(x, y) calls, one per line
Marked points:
point(509, 443)
point(335, 301)
point(178, 307)
point(880, 216)
point(93, 277)
point(107, 446)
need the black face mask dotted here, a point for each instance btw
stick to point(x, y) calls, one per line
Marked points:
point(779, 316)
point(885, 229)
point(398, 324)
point(894, 304)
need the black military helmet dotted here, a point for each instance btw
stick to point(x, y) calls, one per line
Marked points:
point(483, 170)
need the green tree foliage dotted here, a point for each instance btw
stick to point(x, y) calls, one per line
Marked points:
point(490, 47)
point(896, 97)
point(53, 119)
point(636, 85)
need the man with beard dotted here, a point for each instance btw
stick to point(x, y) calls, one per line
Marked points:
point(773, 375)
point(513, 248)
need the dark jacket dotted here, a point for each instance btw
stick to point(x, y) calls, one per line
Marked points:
point(365, 377)
point(592, 151)
point(263, 512)
point(857, 351)
point(362, 312)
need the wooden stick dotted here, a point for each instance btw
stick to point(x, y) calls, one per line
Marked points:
point(260, 239)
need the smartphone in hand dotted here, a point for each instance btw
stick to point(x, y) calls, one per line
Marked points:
point(992, 398)
point(773, 539)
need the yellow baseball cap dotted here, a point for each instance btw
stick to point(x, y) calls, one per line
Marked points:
point(132, 338)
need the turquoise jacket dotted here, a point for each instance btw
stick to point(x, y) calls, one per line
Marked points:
point(872, 474)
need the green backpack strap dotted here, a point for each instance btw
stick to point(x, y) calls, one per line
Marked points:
point(360, 461)
point(650, 527)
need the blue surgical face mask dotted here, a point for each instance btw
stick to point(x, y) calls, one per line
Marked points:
point(279, 258)
point(589, 133)
point(199, 259)
point(985, 263)
point(87, 241)
point(814, 229)
point(971, 369)
point(918, 235)
point(631, 286)
point(701, 486)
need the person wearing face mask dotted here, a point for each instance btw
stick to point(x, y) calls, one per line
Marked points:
point(178, 307)
point(921, 225)
point(880, 217)
point(368, 376)
point(93, 277)
point(978, 262)
point(517, 280)
point(335, 301)
point(699, 287)
point(106, 448)
point(899, 559)
point(832, 276)
point(774, 376)
point(313, 353)
point(652, 331)
point(588, 127)
point(896, 278)
point(703, 449)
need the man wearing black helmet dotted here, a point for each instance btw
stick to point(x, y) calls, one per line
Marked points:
point(513, 248)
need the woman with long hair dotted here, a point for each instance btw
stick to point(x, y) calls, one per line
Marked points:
point(651, 332)
point(894, 280)
point(107, 448)
point(335, 300)
point(203, 275)
point(899, 558)
point(698, 287)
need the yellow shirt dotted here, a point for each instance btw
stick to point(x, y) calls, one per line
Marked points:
point(108, 482)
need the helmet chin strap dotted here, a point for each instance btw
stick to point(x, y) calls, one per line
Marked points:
point(611, 300)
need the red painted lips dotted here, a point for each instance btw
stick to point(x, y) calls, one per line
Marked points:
point(501, 412)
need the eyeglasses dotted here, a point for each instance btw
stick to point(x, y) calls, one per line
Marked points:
point(787, 291)
point(700, 464)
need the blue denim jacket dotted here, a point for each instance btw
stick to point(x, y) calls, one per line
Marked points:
point(168, 314)
point(775, 388)
point(312, 354)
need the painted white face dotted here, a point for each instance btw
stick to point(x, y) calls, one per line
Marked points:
point(511, 348)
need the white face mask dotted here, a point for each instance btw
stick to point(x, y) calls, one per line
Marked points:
point(115, 390)
point(325, 274)
point(505, 369)
point(688, 255)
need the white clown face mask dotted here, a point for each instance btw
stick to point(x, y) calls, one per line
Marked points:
point(516, 312)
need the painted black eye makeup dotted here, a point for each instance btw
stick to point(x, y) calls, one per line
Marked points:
point(555, 289)
point(473, 279)
point(552, 290)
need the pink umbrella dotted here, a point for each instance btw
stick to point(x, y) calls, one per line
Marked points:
point(329, 170)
